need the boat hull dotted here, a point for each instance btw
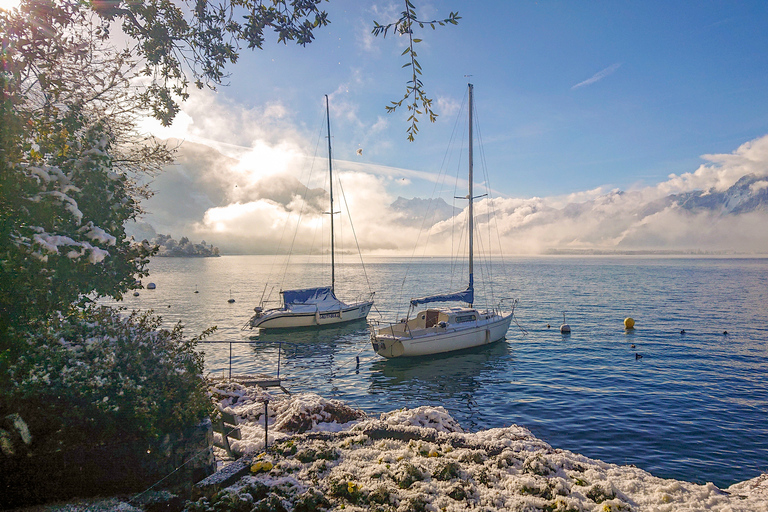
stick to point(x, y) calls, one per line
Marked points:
point(286, 319)
point(437, 340)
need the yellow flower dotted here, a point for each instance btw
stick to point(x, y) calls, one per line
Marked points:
point(260, 466)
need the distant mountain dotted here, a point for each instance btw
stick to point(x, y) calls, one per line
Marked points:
point(413, 212)
point(749, 194)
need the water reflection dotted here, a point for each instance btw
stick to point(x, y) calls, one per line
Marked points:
point(314, 335)
point(308, 355)
point(453, 380)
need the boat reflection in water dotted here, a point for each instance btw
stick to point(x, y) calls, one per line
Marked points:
point(450, 379)
point(309, 353)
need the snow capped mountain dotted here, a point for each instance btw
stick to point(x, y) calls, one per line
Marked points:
point(749, 194)
point(417, 211)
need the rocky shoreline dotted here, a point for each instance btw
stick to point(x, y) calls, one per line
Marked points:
point(325, 455)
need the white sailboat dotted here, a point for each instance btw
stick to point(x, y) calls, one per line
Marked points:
point(445, 329)
point(313, 307)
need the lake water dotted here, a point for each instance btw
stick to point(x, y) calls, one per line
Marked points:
point(693, 407)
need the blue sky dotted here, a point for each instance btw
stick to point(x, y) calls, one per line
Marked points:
point(570, 95)
point(575, 101)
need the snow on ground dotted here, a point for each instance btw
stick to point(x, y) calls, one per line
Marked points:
point(325, 455)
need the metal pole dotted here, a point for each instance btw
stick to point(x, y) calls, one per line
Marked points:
point(330, 174)
point(279, 351)
point(230, 360)
point(266, 424)
point(471, 212)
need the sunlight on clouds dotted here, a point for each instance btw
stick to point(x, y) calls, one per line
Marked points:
point(8, 5)
point(265, 160)
point(179, 129)
point(246, 195)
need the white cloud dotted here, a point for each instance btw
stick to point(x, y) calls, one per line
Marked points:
point(598, 76)
point(447, 106)
point(723, 170)
point(246, 195)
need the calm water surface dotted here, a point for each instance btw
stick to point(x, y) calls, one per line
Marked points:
point(693, 407)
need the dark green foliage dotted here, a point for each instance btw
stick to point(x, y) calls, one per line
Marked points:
point(476, 456)
point(379, 495)
point(408, 474)
point(272, 503)
point(345, 487)
point(458, 493)
point(599, 494)
point(284, 447)
point(414, 89)
point(507, 460)
point(483, 477)
point(311, 454)
point(166, 31)
point(538, 465)
point(416, 504)
point(560, 506)
point(447, 471)
point(93, 377)
point(311, 501)
point(543, 491)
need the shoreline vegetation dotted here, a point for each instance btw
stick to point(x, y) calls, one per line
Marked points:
point(168, 247)
point(326, 455)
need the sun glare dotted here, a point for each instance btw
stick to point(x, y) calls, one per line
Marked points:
point(9, 4)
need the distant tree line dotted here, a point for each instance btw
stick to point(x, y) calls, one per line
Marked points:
point(167, 246)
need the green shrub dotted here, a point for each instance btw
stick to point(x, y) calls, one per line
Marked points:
point(447, 471)
point(95, 376)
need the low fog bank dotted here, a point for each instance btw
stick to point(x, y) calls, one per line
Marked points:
point(273, 197)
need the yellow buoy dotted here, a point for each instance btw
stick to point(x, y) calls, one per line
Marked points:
point(629, 323)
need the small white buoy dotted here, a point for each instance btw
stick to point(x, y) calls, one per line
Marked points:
point(629, 323)
point(565, 328)
point(151, 286)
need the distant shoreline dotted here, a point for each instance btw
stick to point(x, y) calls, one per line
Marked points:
point(167, 255)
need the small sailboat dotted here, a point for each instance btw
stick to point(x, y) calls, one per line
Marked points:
point(445, 329)
point(313, 307)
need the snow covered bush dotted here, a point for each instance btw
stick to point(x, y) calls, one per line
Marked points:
point(95, 376)
point(71, 168)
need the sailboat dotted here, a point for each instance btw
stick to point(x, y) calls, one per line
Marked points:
point(436, 330)
point(313, 307)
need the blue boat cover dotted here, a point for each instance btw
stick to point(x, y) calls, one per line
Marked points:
point(467, 296)
point(309, 296)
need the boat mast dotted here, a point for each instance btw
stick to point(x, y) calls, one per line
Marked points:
point(330, 174)
point(469, 197)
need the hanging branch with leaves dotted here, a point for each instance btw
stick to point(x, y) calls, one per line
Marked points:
point(414, 90)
